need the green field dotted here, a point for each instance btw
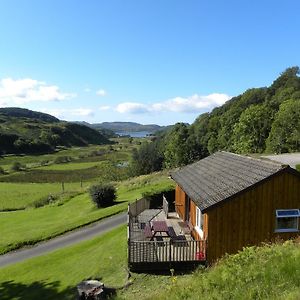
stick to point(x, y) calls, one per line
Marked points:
point(72, 166)
point(34, 160)
point(269, 272)
point(23, 195)
point(121, 150)
point(19, 190)
point(19, 228)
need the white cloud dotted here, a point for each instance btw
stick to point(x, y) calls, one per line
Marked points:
point(20, 91)
point(87, 90)
point(132, 108)
point(83, 112)
point(193, 104)
point(101, 93)
point(104, 107)
point(64, 113)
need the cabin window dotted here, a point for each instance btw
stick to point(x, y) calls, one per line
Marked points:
point(287, 220)
point(199, 222)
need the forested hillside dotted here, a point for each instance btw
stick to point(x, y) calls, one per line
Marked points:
point(260, 120)
point(26, 131)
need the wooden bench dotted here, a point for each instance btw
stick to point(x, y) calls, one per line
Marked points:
point(172, 232)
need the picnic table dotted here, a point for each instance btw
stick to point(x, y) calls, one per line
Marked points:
point(160, 227)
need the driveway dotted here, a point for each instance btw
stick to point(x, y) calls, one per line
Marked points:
point(62, 241)
point(291, 159)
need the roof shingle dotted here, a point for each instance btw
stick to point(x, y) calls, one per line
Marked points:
point(222, 175)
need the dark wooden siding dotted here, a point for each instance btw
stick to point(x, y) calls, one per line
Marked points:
point(249, 218)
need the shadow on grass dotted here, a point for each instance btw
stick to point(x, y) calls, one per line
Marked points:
point(36, 290)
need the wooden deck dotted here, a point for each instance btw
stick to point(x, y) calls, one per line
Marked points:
point(177, 250)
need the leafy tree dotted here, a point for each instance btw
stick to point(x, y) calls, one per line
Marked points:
point(147, 159)
point(176, 151)
point(103, 195)
point(285, 131)
point(251, 131)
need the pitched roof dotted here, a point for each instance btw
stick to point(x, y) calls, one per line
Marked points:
point(222, 175)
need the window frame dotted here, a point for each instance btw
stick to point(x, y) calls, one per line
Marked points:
point(292, 216)
point(199, 222)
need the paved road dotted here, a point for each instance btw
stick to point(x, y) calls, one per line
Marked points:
point(291, 159)
point(67, 239)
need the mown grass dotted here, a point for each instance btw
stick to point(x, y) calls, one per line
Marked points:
point(19, 228)
point(269, 272)
point(24, 195)
point(55, 276)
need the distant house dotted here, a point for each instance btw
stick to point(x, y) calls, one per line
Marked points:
point(233, 201)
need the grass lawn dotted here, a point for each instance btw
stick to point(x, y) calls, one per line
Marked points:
point(29, 226)
point(22, 195)
point(55, 276)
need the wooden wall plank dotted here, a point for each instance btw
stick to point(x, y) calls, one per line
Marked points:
point(249, 218)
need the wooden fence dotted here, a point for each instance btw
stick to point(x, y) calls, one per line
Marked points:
point(138, 206)
point(166, 251)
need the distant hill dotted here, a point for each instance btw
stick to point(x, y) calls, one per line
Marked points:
point(26, 113)
point(28, 132)
point(106, 132)
point(127, 126)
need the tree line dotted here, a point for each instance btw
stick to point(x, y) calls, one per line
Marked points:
point(260, 120)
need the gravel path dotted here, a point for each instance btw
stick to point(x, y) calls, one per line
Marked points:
point(62, 241)
point(291, 159)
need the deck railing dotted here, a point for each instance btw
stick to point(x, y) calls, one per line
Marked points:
point(166, 251)
point(138, 206)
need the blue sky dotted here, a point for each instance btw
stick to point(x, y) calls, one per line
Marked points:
point(146, 61)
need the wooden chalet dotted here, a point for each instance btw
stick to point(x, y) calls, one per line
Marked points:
point(231, 201)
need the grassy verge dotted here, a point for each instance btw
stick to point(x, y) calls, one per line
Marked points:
point(298, 168)
point(27, 227)
point(269, 272)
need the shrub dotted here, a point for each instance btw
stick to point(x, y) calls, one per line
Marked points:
point(45, 200)
point(103, 195)
point(62, 159)
point(17, 166)
point(2, 171)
